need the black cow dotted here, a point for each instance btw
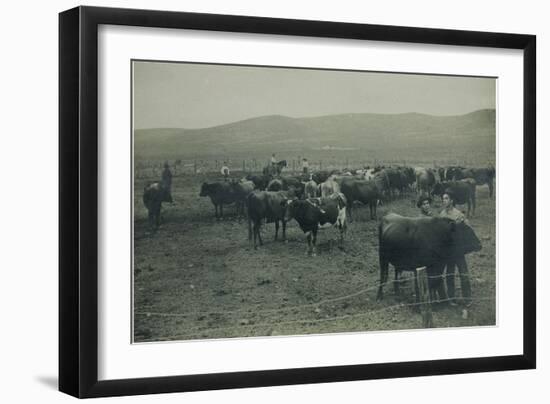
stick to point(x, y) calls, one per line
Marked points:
point(220, 193)
point(287, 184)
point(275, 185)
point(321, 176)
point(153, 196)
point(318, 213)
point(260, 181)
point(409, 175)
point(396, 181)
point(463, 191)
point(364, 191)
point(382, 181)
point(481, 176)
point(266, 205)
point(425, 181)
point(454, 173)
point(242, 189)
point(409, 243)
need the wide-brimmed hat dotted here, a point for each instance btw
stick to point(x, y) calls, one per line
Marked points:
point(422, 199)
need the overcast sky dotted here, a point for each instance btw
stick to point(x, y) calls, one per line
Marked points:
point(183, 95)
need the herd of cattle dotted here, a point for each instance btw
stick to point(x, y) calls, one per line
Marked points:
point(325, 199)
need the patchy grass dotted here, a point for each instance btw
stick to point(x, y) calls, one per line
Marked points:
point(197, 278)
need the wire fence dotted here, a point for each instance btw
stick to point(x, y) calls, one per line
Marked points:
point(198, 331)
point(254, 311)
point(182, 167)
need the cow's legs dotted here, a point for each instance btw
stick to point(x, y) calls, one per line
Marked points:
point(383, 277)
point(396, 281)
point(221, 210)
point(416, 288)
point(249, 229)
point(257, 234)
point(255, 231)
point(350, 204)
point(216, 211)
point(284, 229)
point(491, 186)
point(308, 238)
point(314, 251)
point(276, 229)
point(436, 275)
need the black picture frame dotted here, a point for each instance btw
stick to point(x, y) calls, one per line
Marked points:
point(78, 196)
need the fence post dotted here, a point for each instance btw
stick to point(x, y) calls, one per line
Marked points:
point(424, 297)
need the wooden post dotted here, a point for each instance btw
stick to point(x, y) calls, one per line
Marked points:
point(244, 166)
point(424, 297)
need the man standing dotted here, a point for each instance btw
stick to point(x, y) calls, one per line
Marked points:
point(458, 261)
point(305, 166)
point(166, 181)
point(225, 171)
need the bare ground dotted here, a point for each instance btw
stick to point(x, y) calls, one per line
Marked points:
point(197, 278)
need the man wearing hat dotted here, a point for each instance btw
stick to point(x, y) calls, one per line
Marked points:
point(423, 204)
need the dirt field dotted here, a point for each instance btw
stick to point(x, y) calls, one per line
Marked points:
point(197, 278)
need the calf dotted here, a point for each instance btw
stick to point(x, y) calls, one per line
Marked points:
point(317, 213)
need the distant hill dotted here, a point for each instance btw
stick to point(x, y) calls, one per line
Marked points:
point(399, 135)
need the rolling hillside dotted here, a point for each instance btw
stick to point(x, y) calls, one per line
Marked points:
point(401, 135)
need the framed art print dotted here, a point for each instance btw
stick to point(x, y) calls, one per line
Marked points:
point(251, 201)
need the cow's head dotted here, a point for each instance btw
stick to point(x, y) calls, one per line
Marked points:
point(292, 208)
point(465, 240)
point(205, 189)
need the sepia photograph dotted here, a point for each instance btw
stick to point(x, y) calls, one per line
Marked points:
point(282, 201)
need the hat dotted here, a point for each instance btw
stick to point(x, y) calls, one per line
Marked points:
point(422, 199)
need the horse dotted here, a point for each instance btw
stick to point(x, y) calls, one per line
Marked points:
point(275, 169)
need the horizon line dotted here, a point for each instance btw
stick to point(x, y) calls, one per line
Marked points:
point(316, 116)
